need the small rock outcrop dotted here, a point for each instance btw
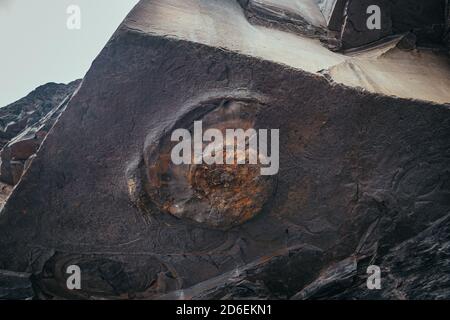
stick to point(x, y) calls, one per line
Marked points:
point(25, 123)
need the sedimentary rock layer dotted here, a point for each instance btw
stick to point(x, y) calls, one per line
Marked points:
point(363, 175)
point(24, 125)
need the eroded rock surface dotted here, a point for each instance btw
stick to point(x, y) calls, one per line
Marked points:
point(342, 24)
point(364, 173)
point(301, 16)
point(421, 74)
point(221, 195)
point(415, 269)
point(15, 286)
point(25, 123)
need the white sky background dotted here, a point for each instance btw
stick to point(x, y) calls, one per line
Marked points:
point(36, 46)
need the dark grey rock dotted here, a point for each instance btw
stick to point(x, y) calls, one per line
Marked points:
point(30, 119)
point(416, 269)
point(303, 16)
point(354, 32)
point(331, 281)
point(364, 177)
point(272, 277)
point(333, 11)
point(15, 286)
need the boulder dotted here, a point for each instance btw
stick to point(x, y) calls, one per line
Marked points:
point(363, 176)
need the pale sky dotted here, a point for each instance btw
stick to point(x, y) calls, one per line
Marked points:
point(37, 47)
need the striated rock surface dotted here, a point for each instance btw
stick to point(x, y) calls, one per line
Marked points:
point(25, 123)
point(363, 180)
point(421, 74)
point(342, 24)
point(15, 286)
point(301, 16)
point(415, 269)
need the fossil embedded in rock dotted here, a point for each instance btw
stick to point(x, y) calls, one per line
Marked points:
point(218, 195)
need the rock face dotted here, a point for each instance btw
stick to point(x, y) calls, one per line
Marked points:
point(425, 19)
point(303, 16)
point(354, 31)
point(415, 269)
point(342, 24)
point(15, 286)
point(219, 196)
point(363, 180)
point(447, 29)
point(25, 123)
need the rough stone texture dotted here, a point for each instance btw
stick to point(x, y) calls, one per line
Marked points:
point(15, 286)
point(333, 12)
point(354, 31)
point(364, 177)
point(25, 124)
point(415, 269)
point(415, 74)
point(221, 195)
point(25, 112)
point(271, 277)
point(425, 19)
point(301, 16)
point(392, 69)
point(5, 191)
point(447, 29)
